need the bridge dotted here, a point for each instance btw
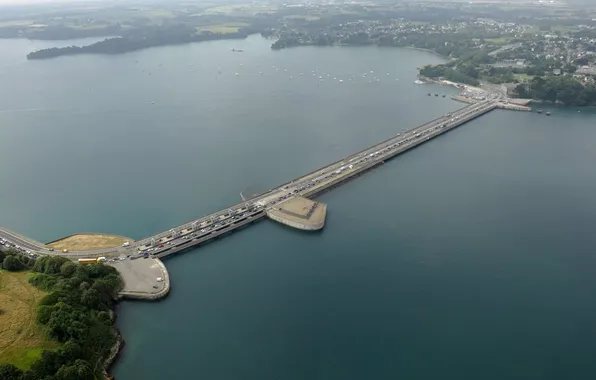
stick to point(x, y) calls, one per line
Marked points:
point(212, 226)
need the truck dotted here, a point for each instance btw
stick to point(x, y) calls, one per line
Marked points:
point(88, 261)
point(101, 259)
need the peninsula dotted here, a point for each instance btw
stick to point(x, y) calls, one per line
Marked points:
point(119, 45)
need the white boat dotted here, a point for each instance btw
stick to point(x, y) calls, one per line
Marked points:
point(418, 81)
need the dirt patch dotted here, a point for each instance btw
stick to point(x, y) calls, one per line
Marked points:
point(86, 242)
point(21, 340)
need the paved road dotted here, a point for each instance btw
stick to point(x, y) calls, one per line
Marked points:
point(201, 229)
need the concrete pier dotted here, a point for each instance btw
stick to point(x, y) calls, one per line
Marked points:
point(300, 213)
point(506, 105)
point(144, 278)
point(514, 107)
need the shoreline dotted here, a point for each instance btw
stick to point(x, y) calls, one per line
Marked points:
point(115, 350)
point(447, 58)
point(120, 343)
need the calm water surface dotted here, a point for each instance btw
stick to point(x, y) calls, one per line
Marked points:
point(471, 257)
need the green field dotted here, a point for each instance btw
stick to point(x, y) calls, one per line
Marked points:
point(523, 77)
point(499, 41)
point(303, 17)
point(21, 339)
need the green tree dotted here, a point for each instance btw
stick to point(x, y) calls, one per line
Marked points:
point(67, 269)
point(91, 298)
point(79, 370)
point(10, 372)
point(12, 263)
point(75, 312)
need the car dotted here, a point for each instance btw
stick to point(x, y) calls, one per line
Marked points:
point(160, 246)
point(51, 249)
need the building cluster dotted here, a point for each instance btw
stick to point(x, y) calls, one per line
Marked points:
point(521, 47)
point(395, 30)
point(563, 54)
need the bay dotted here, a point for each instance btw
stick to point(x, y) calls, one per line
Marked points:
point(469, 257)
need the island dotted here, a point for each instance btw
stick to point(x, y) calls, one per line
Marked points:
point(119, 45)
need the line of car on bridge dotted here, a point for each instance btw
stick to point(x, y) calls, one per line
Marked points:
point(222, 221)
point(7, 245)
point(358, 160)
point(216, 223)
point(207, 227)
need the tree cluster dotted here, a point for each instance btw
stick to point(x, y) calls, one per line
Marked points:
point(77, 314)
point(13, 261)
point(563, 89)
point(455, 75)
point(139, 39)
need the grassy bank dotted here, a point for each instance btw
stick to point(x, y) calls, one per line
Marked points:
point(68, 303)
point(21, 338)
point(86, 242)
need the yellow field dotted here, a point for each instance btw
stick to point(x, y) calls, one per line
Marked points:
point(15, 23)
point(499, 41)
point(87, 27)
point(303, 17)
point(222, 28)
point(21, 340)
point(240, 9)
point(86, 242)
point(157, 13)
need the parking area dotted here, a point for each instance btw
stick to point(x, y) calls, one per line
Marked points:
point(143, 276)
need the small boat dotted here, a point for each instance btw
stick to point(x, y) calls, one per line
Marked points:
point(429, 94)
point(436, 94)
point(443, 95)
point(539, 111)
point(547, 113)
point(238, 50)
